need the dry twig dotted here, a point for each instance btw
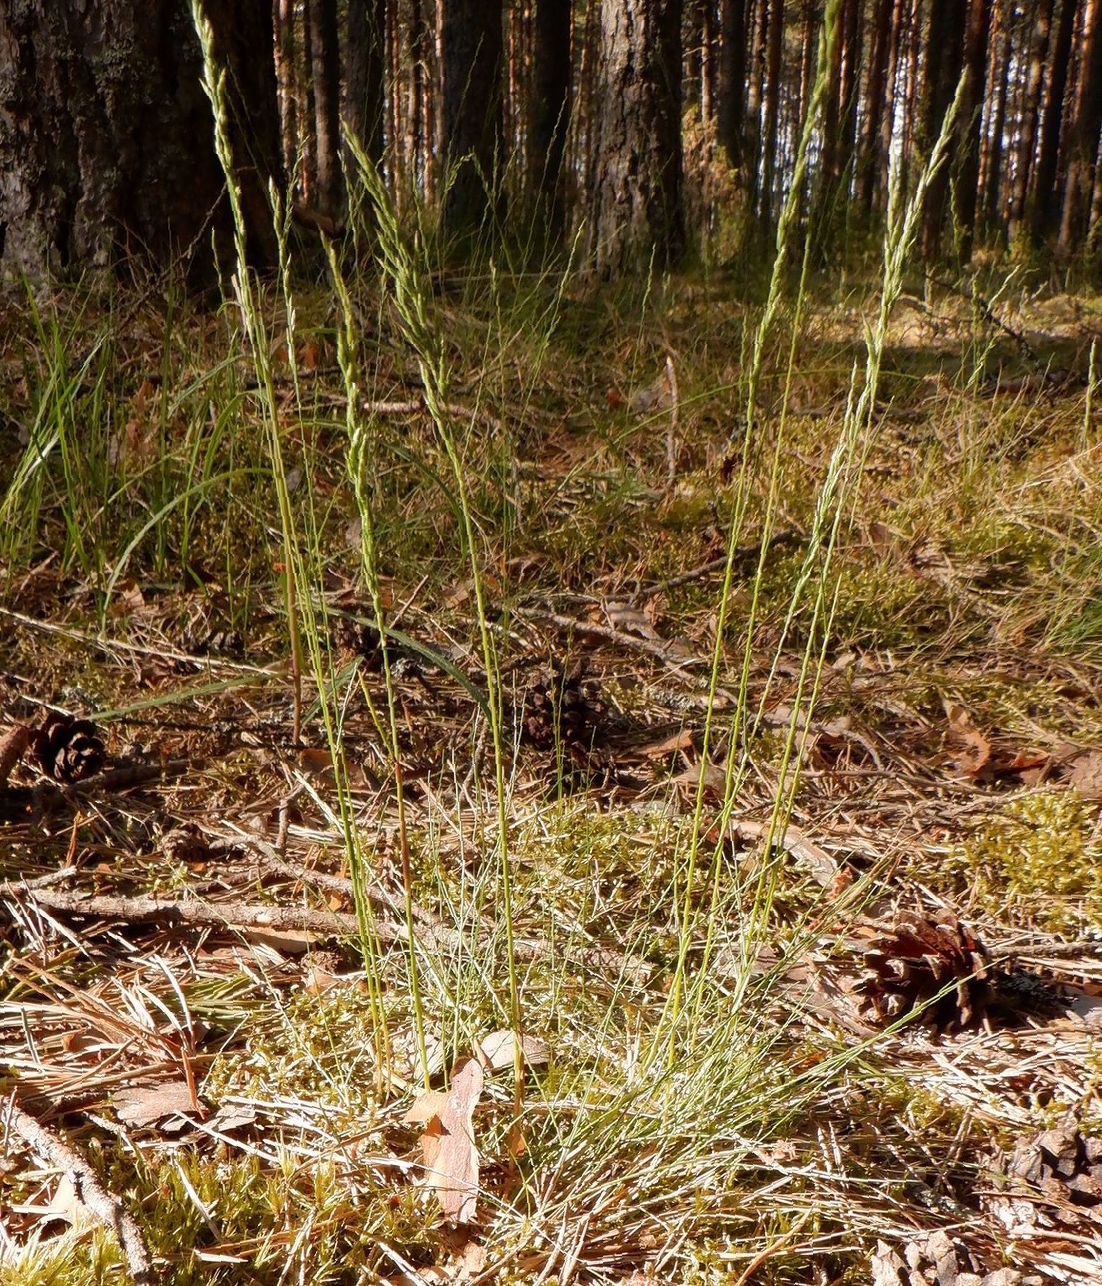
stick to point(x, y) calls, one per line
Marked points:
point(106, 1207)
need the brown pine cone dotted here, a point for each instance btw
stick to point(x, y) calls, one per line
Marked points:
point(68, 749)
point(559, 710)
point(914, 959)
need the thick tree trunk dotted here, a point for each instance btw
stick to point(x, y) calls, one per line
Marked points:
point(732, 79)
point(283, 13)
point(1039, 29)
point(636, 197)
point(707, 61)
point(365, 74)
point(550, 107)
point(944, 63)
point(774, 49)
point(1044, 207)
point(876, 94)
point(1001, 75)
point(1083, 136)
point(325, 73)
point(106, 137)
point(831, 158)
point(472, 51)
point(756, 33)
point(966, 177)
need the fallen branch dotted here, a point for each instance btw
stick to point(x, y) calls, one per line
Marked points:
point(434, 939)
point(91, 1194)
point(820, 865)
point(662, 651)
point(786, 536)
point(270, 860)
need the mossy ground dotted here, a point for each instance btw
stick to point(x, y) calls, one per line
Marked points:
point(966, 570)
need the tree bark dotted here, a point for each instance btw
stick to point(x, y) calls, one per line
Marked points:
point(1083, 135)
point(636, 188)
point(365, 74)
point(325, 72)
point(944, 63)
point(756, 34)
point(471, 47)
point(969, 122)
point(876, 96)
point(550, 108)
point(106, 137)
point(1044, 208)
point(774, 49)
point(1040, 28)
point(1001, 75)
point(283, 14)
point(732, 79)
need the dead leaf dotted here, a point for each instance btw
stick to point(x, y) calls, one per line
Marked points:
point(1086, 775)
point(682, 740)
point(625, 617)
point(316, 762)
point(659, 395)
point(499, 1050)
point(715, 780)
point(136, 445)
point(144, 1104)
point(12, 745)
point(969, 750)
point(288, 942)
point(447, 1143)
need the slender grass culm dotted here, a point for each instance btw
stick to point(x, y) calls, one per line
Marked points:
point(358, 458)
point(786, 227)
point(301, 559)
point(834, 499)
point(404, 275)
point(252, 319)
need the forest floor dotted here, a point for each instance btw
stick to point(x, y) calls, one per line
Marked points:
point(801, 933)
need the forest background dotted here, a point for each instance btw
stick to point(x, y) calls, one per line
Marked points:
point(550, 642)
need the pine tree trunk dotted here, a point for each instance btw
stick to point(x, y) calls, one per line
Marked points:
point(325, 73)
point(1044, 208)
point(1039, 24)
point(1083, 135)
point(732, 79)
point(876, 98)
point(472, 56)
point(969, 122)
point(992, 181)
point(945, 61)
point(106, 137)
point(757, 30)
point(550, 108)
point(365, 74)
point(286, 81)
point(635, 187)
point(774, 48)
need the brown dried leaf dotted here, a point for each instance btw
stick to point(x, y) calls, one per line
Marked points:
point(447, 1144)
point(1085, 775)
point(682, 740)
point(144, 1104)
point(12, 745)
point(498, 1050)
point(969, 750)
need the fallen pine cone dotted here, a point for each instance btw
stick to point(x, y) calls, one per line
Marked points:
point(914, 960)
point(561, 708)
point(1051, 1180)
point(936, 1259)
point(68, 749)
